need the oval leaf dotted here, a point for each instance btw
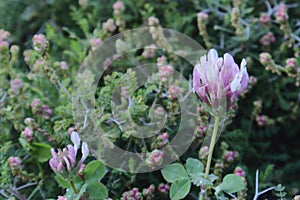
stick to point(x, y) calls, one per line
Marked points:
point(62, 181)
point(194, 167)
point(180, 188)
point(174, 172)
point(94, 171)
point(97, 190)
point(231, 183)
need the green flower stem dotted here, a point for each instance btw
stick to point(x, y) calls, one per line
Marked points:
point(211, 149)
point(212, 145)
point(73, 187)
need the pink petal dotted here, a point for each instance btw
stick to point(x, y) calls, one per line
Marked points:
point(67, 163)
point(196, 79)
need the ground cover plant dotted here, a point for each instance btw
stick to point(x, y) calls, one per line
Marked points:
point(200, 99)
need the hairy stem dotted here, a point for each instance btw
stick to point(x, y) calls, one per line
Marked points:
point(211, 149)
point(212, 145)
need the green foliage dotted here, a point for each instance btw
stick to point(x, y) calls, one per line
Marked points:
point(69, 26)
point(174, 172)
point(94, 171)
point(180, 189)
point(231, 184)
point(280, 193)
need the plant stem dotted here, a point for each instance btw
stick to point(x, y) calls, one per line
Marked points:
point(212, 145)
point(73, 187)
point(211, 149)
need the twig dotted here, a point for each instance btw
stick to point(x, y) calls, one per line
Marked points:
point(38, 187)
point(3, 98)
point(4, 194)
point(65, 90)
point(17, 194)
point(25, 186)
point(257, 194)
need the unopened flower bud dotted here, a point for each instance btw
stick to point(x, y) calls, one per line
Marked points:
point(118, 7)
point(290, 63)
point(109, 25)
point(163, 188)
point(4, 34)
point(265, 58)
point(267, 39)
point(202, 16)
point(239, 171)
point(40, 43)
point(64, 65)
point(15, 85)
point(281, 14)
point(14, 162)
point(264, 18)
point(149, 51)
point(28, 121)
point(28, 134)
point(14, 49)
point(203, 151)
point(153, 21)
point(173, 92)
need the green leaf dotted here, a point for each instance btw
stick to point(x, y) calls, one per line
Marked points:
point(180, 188)
point(97, 190)
point(41, 151)
point(202, 180)
point(94, 171)
point(194, 167)
point(62, 181)
point(174, 172)
point(231, 183)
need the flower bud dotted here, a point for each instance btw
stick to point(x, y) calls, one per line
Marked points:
point(149, 51)
point(153, 21)
point(281, 14)
point(202, 16)
point(267, 39)
point(14, 49)
point(173, 92)
point(203, 151)
point(40, 43)
point(163, 188)
point(118, 7)
point(75, 140)
point(265, 58)
point(14, 162)
point(264, 18)
point(239, 171)
point(15, 85)
point(291, 63)
point(28, 121)
point(4, 34)
point(95, 42)
point(109, 25)
point(28, 134)
point(230, 155)
point(64, 65)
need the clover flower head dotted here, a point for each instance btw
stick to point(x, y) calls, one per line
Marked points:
point(163, 188)
point(40, 43)
point(239, 171)
point(118, 7)
point(15, 85)
point(14, 162)
point(217, 79)
point(153, 21)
